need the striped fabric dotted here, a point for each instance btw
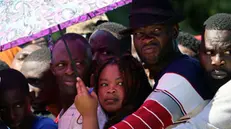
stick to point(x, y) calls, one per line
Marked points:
point(165, 105)
point(178, 92)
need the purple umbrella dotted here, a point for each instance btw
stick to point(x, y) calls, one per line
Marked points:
point(22, 21)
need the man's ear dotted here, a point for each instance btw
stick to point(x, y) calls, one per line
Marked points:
point(175, 31)
point(52, 69)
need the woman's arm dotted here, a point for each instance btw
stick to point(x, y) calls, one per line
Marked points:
point(90, 122)
point(87, 104)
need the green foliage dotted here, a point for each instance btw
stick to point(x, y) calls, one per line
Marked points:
point(197, 11)
point(120, 15)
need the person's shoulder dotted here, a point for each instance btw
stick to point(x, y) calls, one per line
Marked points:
point(45, 123)
point(185, 61)
point(187, 69)
point(183, 64)
point(46, 120)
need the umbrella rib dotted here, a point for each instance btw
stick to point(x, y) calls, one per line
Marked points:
point(69, 53)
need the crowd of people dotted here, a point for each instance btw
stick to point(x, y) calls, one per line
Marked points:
point(172, 80)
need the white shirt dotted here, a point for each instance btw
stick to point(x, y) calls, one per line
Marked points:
point(72, 119)
point(216, 115)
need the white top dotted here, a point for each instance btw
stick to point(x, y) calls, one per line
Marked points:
point(216, 115)
point(72, 119)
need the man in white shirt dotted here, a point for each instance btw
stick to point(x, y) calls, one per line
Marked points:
point(215, 57)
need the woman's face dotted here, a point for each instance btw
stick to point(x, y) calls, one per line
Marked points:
point(111, 90)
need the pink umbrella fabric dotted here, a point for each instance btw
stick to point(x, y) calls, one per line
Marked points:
point(22, 21)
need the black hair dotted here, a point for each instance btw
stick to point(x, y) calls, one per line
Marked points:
point(189, 41)
point(3, 65)
point(219, 21)
point(136, 84)
point(115, 29)
point(13, 79)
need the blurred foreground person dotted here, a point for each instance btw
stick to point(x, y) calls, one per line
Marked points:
point(15, 103)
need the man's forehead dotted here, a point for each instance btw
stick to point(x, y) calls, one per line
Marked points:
point(60, 44)
point(104, 41)
point(77, 49)
point(102, 37)
point(217, 38)
point(218, 35)
point(78, 45)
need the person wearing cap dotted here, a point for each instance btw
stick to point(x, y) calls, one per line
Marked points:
point(179, 85)
point(106, 42)
point(15, 104)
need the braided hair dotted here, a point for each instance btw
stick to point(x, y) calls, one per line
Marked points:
point(136, 84)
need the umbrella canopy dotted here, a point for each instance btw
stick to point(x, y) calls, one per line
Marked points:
point(22, 21)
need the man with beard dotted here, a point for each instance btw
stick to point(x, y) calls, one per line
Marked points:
point(215, 57)
point(15, 103)
point(179, 85)
point(62, 68)
point(216, 50)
